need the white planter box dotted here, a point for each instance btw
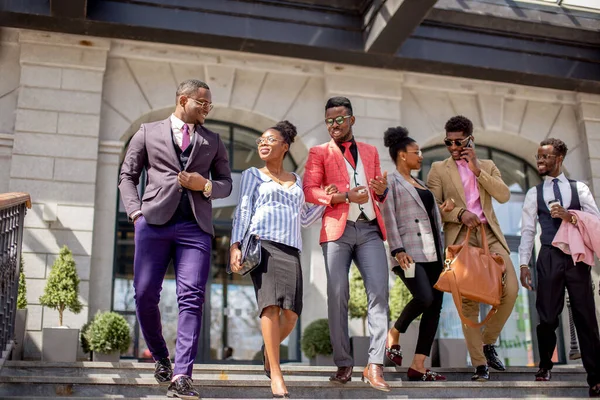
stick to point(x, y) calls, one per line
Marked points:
point(115, 356)
point(60, 344)
point(359, 346)
point(322, 361)
point(453, 352)
point(20, 332)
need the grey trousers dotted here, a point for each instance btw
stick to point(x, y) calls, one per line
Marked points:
point(361, 243)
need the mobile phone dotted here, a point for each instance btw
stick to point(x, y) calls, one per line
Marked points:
point(469, 143)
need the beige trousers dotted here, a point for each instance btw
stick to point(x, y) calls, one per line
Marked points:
point(477, 337)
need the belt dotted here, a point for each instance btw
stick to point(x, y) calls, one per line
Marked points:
point(362, 218)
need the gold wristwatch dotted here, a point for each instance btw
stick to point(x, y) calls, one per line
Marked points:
point(207, 186)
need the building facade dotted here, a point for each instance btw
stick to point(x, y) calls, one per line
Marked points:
point(70, 103)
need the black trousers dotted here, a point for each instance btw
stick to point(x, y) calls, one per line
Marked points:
point(426, 300)
point(555, 272)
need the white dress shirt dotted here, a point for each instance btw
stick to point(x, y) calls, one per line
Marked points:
point(530, 210)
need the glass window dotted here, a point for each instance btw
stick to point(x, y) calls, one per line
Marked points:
point(512, 170)
point(245, 152)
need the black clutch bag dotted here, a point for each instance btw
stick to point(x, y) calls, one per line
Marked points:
point(250, 254)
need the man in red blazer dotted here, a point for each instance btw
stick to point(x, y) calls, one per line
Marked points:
point(352, 230)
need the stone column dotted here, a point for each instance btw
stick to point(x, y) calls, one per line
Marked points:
point(54, 158)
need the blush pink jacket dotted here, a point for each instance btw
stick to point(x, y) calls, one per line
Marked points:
point(581, 241)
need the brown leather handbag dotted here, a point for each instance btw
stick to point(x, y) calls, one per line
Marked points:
point(475, 274)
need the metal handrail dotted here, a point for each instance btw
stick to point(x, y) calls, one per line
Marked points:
point(13, 207)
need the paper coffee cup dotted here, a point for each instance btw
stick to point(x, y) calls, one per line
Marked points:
point(409, 272)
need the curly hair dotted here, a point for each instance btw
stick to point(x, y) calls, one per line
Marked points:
point(459, 124)
point(560, 148)
point(287, 129)
point(396, 139)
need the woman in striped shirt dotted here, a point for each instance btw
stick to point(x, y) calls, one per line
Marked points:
point(271, 205)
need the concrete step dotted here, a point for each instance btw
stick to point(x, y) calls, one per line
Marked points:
point(31, 380)
point(126, 369)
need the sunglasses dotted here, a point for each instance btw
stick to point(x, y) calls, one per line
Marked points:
point(419, 153)
point(456, 142)
point(340, 120)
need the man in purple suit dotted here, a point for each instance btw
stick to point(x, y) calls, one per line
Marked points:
point(187, 166)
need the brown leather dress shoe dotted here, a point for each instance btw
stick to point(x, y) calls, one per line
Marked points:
point(343, 375)
point(373, 375)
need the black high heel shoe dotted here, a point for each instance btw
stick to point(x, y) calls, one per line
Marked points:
point(281, 396)
point(267, 372)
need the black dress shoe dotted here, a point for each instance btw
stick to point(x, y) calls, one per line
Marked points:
point(342, 375)
point(182, 388)
point(481, 374)
point(543, 375)
point(492, 357)
point(594, 391)
point(163, 372)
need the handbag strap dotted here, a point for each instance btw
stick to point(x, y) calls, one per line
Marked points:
point(458, 303)
point(484, 242)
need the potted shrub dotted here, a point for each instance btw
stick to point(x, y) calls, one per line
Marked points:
point(316, 344)
point(358, 306)
point(20, 317)
point(61, 293)
point(108, 336)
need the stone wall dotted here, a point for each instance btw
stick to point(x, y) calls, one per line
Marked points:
point(54, 158)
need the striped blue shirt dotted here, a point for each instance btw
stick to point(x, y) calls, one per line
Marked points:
point(271, 211)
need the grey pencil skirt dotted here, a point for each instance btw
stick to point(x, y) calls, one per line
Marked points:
point(278, 278)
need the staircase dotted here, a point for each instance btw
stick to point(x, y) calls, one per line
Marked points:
point(95, 380)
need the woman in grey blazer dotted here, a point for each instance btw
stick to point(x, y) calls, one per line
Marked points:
point(413, 225)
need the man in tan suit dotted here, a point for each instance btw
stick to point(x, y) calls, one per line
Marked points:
point(471, 184)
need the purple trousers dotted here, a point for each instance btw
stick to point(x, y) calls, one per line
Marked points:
point(190, 249)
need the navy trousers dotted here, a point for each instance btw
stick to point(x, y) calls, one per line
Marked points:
point(190, 249)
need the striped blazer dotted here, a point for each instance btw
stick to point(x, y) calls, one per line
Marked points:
point(270, 211)
point(325, 166)
point(407, 222)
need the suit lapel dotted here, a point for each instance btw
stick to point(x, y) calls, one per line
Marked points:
point(198, 141)
point(365, 154)
point(336, 153)
point(409, 188)
point(167, 135)
point(455, 178)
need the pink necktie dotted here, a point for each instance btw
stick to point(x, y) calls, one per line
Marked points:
point(185, 142)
